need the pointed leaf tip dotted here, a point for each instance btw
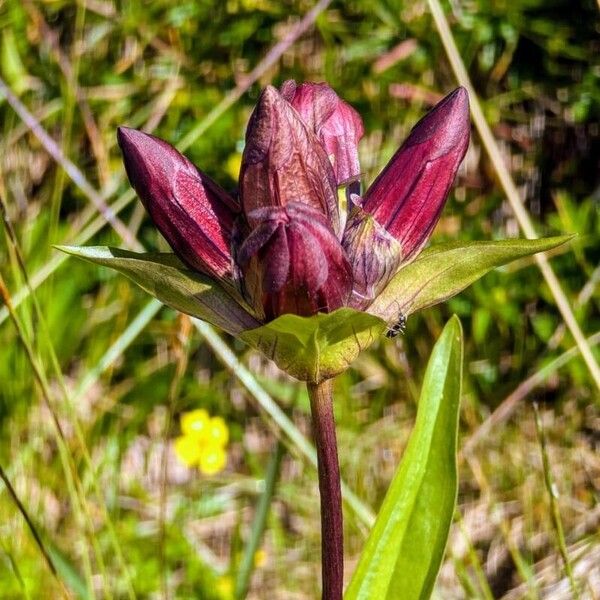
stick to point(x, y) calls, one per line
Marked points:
point(443, 270)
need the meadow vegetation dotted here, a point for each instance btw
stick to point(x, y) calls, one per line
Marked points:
point(99, 383)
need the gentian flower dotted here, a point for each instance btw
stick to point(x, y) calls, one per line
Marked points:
point(283, 243)
point(282, 248)
point(286, 268)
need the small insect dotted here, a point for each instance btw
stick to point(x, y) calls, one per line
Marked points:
point(398, 327)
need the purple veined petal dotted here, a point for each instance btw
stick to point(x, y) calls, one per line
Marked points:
point(284, 162)
point(293, 262)
point(337, 125)
point(408, 196)
point(373, 253)
point(277, 266)
point(190, 210)
point(258, 237)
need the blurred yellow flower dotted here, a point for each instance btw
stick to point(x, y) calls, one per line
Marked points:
point(212, 460)
point(203, 441)
point(194, 422)
point(225, 586)
point(233, 165)
point(260, 558)
point(218, 431)
point(188, 450)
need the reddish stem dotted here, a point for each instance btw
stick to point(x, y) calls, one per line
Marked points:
point(332, 531)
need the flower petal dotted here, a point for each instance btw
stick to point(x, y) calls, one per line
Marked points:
point(408, 196)
point(373, 253)
point(284, 162)
point(337, 125)
point(191, 211)
point(293, 263)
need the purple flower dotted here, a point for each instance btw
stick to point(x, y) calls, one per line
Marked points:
point(191, 211)
point(292, 262)
point(284, 245)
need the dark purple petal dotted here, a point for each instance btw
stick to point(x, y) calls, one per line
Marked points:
point(259, 236)
point(276, 270)
point(292, 262)
point(337, 125)
point(408, 196)
point(190, 210)
point(284, 162)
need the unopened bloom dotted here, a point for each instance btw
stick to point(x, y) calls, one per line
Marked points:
point(191, 211)
point(337, 125)
point(292, 262)
point(282, 244)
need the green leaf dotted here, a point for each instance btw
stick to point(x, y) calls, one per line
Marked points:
point(11, 64)
point(69, 574)
point(165, 277)
point(444, 270)
point(403, 554)
point(318, 347)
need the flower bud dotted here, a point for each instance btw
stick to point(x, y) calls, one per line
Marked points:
point(408, 196)
point(292, 262)
point(337, 125)
point(373, 253)
point(191, 211)
point(284, 162)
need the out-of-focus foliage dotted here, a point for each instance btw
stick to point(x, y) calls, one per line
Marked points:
point(82, 69)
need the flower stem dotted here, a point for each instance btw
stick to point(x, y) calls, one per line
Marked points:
point(332, 532)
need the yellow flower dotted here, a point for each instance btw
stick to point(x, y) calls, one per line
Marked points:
point(188, 450)
point(212, 460)
point(218, 431)
point(233, 164)
point(195, 422)
point(225, 586)
point(203, 441)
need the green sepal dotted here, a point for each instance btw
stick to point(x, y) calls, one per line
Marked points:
point(318, 347)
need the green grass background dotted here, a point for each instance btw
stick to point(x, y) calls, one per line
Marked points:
point(114, 526)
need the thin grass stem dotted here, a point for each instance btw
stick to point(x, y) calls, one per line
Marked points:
point(174, 389)
point(34, 532)
point(70, 404)
point(484, 586)
point(510, 188)
point(507, 407)
point(246, 567)
point(77, 503)
point(554, 508)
